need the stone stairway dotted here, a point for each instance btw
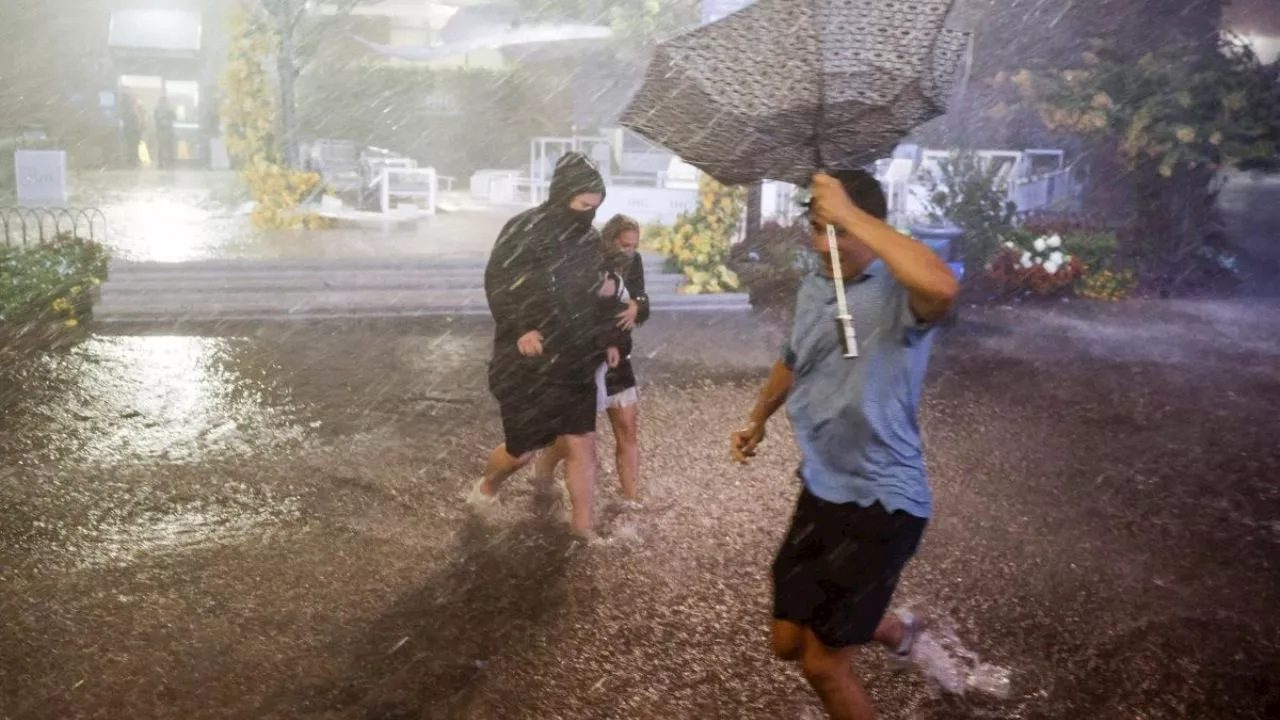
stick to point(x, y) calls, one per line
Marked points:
point(258, 289)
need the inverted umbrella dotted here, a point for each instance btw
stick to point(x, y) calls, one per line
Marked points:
point(786, 88)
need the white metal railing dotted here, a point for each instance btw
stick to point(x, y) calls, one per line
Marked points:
point(1046, 191)
point(1033, 179)
point(407, 182)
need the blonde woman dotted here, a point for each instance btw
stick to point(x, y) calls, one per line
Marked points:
point(618, 396)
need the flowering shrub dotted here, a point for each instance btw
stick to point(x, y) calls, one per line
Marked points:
point(278, 191)
point(698, 244)
point(1037, 263)
point(51, 280)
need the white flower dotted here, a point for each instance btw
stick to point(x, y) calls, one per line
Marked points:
point(1057, 258)
point(1026, 260)
point(1011, 246)
point(1040, 244)
point(1055, 241)
point(1051, 267)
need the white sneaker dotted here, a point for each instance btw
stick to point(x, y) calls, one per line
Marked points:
point(479, 501)
point(932, 653)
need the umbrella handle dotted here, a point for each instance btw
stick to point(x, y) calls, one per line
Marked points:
point(844, 321)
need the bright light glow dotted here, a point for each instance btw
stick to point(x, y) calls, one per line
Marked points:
point(1266, 47)
point(155, 30)
point(161, 229)
point(142, 82)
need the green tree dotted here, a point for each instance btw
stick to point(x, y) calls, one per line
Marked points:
point(1175, 117)
point(972, 195)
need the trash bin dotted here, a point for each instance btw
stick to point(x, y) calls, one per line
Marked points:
point(945, 240)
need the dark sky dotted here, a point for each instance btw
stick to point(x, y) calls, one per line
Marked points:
point(1259, 16)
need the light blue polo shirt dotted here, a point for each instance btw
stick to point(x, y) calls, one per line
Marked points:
point(855, 419)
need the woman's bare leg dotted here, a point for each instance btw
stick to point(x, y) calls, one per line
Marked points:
point(626, 434)
point(544, 469)
point(580, 477)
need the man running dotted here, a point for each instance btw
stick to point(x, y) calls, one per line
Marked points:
point(865, 498)
point(546, 282)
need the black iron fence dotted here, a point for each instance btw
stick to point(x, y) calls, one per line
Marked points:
point(26, 226)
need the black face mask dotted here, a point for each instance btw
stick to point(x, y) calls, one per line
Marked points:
point(617, 261)
point(580, 217)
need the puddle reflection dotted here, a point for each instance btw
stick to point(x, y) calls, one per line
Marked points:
point(117, 400)
point(191, 526)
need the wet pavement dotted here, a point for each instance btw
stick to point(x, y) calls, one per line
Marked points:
point(181, 216)
point(263, 521)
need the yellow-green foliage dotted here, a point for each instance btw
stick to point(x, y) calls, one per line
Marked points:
point(1107, 285)
point(1178, 107)
point(250, 113)
point(698, 243)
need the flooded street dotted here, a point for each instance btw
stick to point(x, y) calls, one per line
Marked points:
point(266, 521)
point(252, 255)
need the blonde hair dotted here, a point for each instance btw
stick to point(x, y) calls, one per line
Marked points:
point(616, 227)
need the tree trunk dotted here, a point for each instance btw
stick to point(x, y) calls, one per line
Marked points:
point(1177, 218)
point(288, 71)
point(1109, 192)
point(754, 211)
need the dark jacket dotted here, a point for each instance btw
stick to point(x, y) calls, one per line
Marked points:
point(634, 282)
point(543, 274)
point(623, 376)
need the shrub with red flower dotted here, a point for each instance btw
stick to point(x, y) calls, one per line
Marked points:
point(1035, 263)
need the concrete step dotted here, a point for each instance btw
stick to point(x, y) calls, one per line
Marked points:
point(153, 283)
point(180, 301)
point(246, 289)
point(653, 265)
point(271, 265)
point(368, 303)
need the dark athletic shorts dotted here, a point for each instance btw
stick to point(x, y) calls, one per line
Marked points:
point(839, 565)
point(532, 418)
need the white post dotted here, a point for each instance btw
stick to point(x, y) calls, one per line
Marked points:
point(431, 197)
point(385, 192)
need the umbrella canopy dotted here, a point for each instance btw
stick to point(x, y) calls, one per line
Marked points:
point(785, 88)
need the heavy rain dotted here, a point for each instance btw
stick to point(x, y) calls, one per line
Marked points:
point(577, 359)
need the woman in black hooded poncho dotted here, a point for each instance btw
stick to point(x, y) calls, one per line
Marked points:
point(547, 290)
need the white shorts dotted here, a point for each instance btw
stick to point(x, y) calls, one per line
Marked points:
point(604, 401)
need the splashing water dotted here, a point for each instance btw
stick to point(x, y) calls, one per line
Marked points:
point(952, 668)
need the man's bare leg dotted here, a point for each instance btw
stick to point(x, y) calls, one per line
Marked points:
point(627, 457)
point(580, 477)
point(501, 466)
point(830, 670)
point(830, 673)
point(787, 639)
point(891, 632)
